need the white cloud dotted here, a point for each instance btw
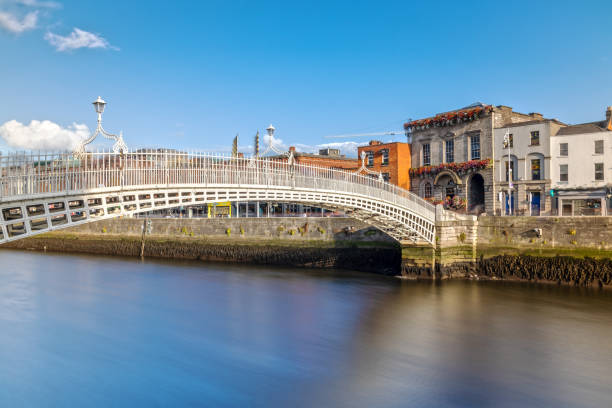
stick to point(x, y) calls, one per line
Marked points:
point(276, 142)
point(40, 4)
point(43, 135)
point(77, 39)
point(12, 23)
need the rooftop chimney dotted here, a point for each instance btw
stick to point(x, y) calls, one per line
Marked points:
point(292, 149)
point(375, 142)
point(536, 115)
point(609, 118)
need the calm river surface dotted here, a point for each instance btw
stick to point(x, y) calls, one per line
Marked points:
point(81, 331)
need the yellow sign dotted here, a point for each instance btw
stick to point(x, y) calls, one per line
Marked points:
point(220, 210)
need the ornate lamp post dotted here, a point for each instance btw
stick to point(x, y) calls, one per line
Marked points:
point(366, 170)
point(508, 145)
point(119, 147)
point(270, 130)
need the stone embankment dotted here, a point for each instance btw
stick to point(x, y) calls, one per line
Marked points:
point(303, 242)
point(576, 251)
point(565, 250)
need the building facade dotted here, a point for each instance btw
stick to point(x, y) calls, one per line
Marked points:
point(522, 153)
point(326, 158)
point(453, 156)
point(392, 160)
point(581, 169)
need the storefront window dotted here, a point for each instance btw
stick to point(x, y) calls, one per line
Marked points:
point(587, 207)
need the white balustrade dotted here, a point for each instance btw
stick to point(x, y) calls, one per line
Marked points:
point(31, 176)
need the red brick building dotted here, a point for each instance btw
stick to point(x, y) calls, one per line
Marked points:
point(330, 158)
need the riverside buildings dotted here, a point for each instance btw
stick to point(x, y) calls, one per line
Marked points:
point(523, 166)
point(326, 158)
point(556, 169)
point(392, 160)
point(581, 169)
point(452, 156)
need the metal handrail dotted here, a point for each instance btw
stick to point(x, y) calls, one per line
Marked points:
point(33, 174)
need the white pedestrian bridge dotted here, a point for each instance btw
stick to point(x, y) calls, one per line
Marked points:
point(41, 192)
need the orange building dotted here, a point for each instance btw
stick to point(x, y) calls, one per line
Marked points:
point(390, 159)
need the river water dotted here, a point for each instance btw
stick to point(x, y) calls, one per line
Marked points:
point(81, 331)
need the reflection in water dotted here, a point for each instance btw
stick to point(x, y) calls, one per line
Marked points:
point(92, 331)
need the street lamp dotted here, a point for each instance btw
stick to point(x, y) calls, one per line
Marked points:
point(364, 169)
point(270, 131)
point(508, 145)
point(99, 105)
point(118, 148)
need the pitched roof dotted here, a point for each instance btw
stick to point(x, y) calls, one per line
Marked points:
point(532, 122)
point(592, 127)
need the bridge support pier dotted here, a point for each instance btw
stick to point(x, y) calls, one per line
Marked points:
point(454, 253)
point(418, 261)
point(427, 262)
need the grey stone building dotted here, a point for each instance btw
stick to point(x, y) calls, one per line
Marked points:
point(452, 155)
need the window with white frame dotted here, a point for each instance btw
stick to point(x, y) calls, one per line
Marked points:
point(599, 171)
point(535, 138)
point(369, 159)
point(385, 157)
point(563, 149)
point(427, 190)
point(426, 154)
point(599, 147)
point(563, 172)
point(386, 177)
point(450, 151)
point(475, 145)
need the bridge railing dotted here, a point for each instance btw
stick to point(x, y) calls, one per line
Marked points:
point(31, 174)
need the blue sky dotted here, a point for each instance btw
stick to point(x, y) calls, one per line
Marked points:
point(193, 74)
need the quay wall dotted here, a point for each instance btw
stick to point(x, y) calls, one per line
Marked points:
point(569, 250)
point(288, 229)
point(340, 243)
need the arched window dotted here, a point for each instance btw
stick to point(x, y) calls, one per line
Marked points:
point(535, 163)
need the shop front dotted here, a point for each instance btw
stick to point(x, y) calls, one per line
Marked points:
point(582, 203)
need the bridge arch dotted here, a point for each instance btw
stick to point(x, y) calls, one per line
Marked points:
point(64, 191)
